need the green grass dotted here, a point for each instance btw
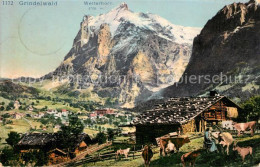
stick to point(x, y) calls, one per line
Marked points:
point(205, 159)
point(53, 105)
point(19, 126)
point(6, 101)
point(233, 159)
point(90, 131)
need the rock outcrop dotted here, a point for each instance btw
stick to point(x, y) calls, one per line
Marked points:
point(126, 55)
point(228, 46)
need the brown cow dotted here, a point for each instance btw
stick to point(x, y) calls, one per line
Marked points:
point(241, 127)
point(147, 155)
point(243, 151)
point(178, 142)
point(190, 157)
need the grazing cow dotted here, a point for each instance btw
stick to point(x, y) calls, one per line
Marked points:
point(243, 151)
point(147, 155)
point(170, 147)
point(226, 140)
point(190, 157)
point(122, 152)
point(241, 127)
point(178, 142)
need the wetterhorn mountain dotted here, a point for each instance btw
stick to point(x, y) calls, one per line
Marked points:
point(228, 46)
point(127, 55)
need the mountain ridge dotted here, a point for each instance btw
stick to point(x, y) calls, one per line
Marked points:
point(139, 50)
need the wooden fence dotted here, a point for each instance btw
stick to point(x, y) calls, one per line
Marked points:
point(111, 155)
point(91, 149)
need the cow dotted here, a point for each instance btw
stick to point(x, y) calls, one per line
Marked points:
point(241, 127)
point(122, 152)
point(170, 147)
point(147, 155)
point(190, 157)
point(178, 142)
point(226, 140)
point(243, 151)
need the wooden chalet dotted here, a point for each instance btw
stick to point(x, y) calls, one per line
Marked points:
point(190, 114)
point(50, 143)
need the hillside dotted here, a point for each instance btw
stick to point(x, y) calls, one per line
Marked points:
point(227, 51)
point(10, 89)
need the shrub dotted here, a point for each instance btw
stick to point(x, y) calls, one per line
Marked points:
point(101, 138)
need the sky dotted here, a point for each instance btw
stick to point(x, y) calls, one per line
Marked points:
point(35, 39)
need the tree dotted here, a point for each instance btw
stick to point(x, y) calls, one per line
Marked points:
point(13, 138)
point(110, 134)
point(87, 121)
point(11, 104)
point(116, 123)
point(44, 108)
point(68, 134)
point(101, 138)
point(37, 157)
point(9, 157)
point(251, 109)
point(6, 115)
point(2, 108)
point(110, 120)
point(48, 98)
point(8, 108)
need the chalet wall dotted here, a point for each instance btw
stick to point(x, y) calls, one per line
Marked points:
point(147, 133)
point(189, 127)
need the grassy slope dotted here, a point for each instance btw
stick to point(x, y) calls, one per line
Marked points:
point(206, 159)
point(20, 126)
point(52, 105)
point(90, 131)
point(4, 100)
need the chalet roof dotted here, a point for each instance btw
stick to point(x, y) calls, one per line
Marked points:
point(44, 139)
point(176, 110)
point(38, 139)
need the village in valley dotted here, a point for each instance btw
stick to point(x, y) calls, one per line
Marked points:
point(35, 133)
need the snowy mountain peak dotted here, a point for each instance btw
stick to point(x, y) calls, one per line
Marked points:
point(145, 21)
point(147, 50)
point(123, 6)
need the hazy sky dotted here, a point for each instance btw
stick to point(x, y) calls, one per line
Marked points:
point(34, 40)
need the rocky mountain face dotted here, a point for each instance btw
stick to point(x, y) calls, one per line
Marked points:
point(227, 47)
point(126, 55)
